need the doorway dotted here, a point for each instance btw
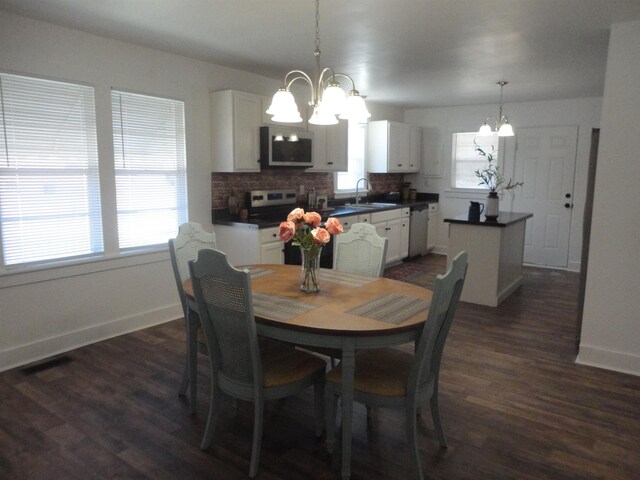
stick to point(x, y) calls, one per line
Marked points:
point(586, 229)
point(545, 160)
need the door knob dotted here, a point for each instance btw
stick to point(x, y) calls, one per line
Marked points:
point(568, 205)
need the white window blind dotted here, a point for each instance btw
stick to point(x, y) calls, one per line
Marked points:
point(346, 181)
point(49, 184)
point(466, 160)
point(150, 165)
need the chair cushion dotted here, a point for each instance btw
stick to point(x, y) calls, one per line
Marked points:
point(283, 364)
point(382, 371)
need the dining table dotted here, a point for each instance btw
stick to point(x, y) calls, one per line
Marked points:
point(351, 312)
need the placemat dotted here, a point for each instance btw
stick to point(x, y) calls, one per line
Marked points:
point(283, 308)
point(342, 278)
point(391, 308)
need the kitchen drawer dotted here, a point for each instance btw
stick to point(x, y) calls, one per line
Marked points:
point(406, 212)
point(385, 215)
point(268, 234)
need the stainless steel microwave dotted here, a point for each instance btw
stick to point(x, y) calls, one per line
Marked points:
point(285, 147)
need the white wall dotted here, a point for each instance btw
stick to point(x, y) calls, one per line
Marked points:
point(48, 312)
point(611, 321)
point(440, 123)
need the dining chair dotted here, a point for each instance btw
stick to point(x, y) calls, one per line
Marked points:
point(360, 250)
point(190, 239)
point(242, 366)
point(389, 377)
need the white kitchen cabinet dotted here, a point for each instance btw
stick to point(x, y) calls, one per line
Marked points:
point(349, 220)
point(271, 247)
point(432, 231)
point(330, 147)
point(404, 233)
point(235, 122)
point(246, 246)
point(393, 147)
point(433, 153)
point(388, 224)
point(415, 149)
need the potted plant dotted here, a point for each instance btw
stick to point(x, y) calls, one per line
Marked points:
point(494, 180)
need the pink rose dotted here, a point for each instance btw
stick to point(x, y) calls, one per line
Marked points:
point(296, 215)
point(320, 236)
point(312, 218)
point(286, 231)
point(333, 226)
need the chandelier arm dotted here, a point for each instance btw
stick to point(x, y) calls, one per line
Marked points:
point(300, 75)
point(322, 82)
point(353, 84)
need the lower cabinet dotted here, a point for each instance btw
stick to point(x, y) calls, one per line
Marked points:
point(246, 246)
point(389, 224)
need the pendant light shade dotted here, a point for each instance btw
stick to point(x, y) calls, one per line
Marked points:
point(327, 97)
point(355, 108)
point(502, 125)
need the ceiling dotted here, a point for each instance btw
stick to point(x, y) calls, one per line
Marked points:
point(409, 53)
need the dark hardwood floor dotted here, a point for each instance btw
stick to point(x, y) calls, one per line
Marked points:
point(514, 406)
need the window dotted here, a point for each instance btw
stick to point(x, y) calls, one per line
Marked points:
point(150, 164)
point(49, 184)
point(466, 160)
point(346, 181)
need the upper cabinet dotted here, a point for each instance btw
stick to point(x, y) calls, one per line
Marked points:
point(393, 147)
point(432, 153)
point(235, 121)
point(330, 147)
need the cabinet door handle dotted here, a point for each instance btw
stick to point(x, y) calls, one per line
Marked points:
point(329, 163)
point(275, 235)
point(399, 164)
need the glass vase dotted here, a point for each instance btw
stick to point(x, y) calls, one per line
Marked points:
point(309, 270)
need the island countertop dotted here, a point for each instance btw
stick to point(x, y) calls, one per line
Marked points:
point(504, 219)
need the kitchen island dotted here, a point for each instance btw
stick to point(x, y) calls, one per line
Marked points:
point(495, 249)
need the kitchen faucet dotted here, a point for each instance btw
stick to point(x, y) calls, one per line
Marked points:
point(357, 185)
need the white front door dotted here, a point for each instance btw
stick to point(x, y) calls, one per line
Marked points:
point(545, 160)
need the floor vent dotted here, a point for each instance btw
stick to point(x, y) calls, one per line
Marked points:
point(46, 365)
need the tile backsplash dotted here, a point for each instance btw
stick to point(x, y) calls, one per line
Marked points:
point(224, 184)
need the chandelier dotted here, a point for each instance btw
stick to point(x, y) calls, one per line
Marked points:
point(502, 125)
point(327, 98)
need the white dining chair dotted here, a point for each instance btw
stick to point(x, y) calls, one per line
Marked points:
point(360, 250)
point(190, 239)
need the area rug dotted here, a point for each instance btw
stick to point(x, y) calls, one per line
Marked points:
point(405, 271)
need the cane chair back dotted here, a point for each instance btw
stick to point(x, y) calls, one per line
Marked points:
point(361, 250)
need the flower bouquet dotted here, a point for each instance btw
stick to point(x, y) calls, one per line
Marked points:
point(305, 230)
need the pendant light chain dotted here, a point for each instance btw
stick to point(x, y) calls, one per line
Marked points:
point(318, 26)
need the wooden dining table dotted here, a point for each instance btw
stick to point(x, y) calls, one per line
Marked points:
point(349, 313)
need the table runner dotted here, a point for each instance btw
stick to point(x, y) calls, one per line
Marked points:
point(257, 272)
point(283, 308)
point(391, 308)
point(342, 278)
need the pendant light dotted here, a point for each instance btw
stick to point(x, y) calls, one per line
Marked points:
point(327, 97)
point(502, 125)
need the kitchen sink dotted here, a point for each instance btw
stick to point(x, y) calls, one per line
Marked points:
point(370, 205)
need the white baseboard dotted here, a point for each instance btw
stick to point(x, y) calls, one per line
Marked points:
point(44, 348)
point(439, 250)
point(609, 360)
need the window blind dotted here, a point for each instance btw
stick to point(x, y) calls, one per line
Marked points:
point(466, 160)
point(49, 183)
point(150, 166)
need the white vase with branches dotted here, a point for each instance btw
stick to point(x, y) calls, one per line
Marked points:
point(492, 178)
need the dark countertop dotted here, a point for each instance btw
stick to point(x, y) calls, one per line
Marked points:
point(504, 219)
point(223, 217)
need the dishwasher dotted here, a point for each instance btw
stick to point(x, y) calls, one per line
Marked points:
point(418, 229)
